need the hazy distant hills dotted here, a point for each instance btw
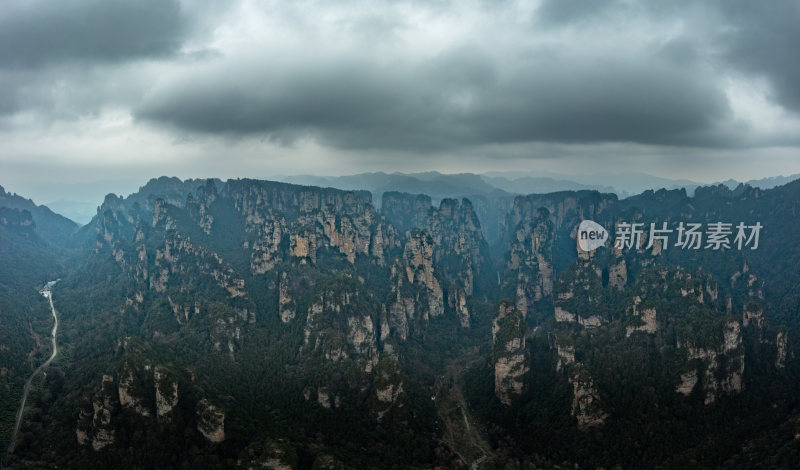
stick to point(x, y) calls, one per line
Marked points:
point(434, 184)
point(438, 185)
point(51, 226)
point(79, 201)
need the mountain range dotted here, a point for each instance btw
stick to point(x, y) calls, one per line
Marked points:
point(263, 324)
point(79, 201)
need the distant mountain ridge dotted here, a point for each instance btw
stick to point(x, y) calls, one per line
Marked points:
point(51, 226)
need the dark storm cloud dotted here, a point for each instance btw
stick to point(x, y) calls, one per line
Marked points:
point(33, 33)
point(764, 39)
point(410, 77)
point(460, 97)
point(758, 38)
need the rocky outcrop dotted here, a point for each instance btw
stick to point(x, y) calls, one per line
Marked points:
point(180, 255)
point(508, 355)
point(780, 355)
point(723, 367)
point(287, 308)
point(618, 274)
point(166, 393)
point(266, 248)
point(688, 381)
point(199, 207)
point(388, 388)
point(210, 421)
point(271, 454)
point(133, 387)
point(647, 317)
point(452, 235)
point(530, 262)
point(580, 295)
point(585, 401)
point(286, 222)
point(94, 422)
point(337, 327)
point(565, 352)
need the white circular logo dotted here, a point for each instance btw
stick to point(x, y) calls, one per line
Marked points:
point(591, 235)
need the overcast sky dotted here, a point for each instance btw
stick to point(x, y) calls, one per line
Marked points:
point(129, 89)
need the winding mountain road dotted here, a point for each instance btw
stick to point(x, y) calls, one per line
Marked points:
point(27, 388)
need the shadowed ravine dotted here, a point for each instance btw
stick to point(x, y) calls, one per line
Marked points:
point(27, 388)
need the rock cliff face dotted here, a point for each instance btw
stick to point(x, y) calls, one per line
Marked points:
point(388, 388)
point(166, 393)
point(585, 402)
point(287, 308)
point(649, 324)
point(339, 327)
point(447, 240)
point(416, 291)
point(530, 264)
point(509, 355)
point(180, 255)
point(210, 421)
point(722, 367)
point(284, 221)
point(269, 455)
point(94, 421)
point(580, 296)
point(144, 394)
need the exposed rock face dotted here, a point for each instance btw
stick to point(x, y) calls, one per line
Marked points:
point(416, 292)
point(618, 274)
point(388, 387)
point(286, 306)
point(563, 315)
point(688, 381)
point(166, 393)
point(269, 455)
point(456, 248)
point(753, 314)
point(580, 295)
point(731, 369)
point(94, 422)
point(323, 397)
point(171, 260)
point(406, 211)
point(585, 403)
point(338, 328)
point(508, 335)
point(198, 207)
point(564, 208)
point(566, 355)
point(418, 261)
point(780, 343)
point(648, 318)
point(210, 421)
point(531, 261)
point(306, 220)
point(132, 388)
point(266, 247)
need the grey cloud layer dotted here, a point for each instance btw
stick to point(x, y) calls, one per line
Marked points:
point(35, 33)
point(460, 97)
point(63, 59)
